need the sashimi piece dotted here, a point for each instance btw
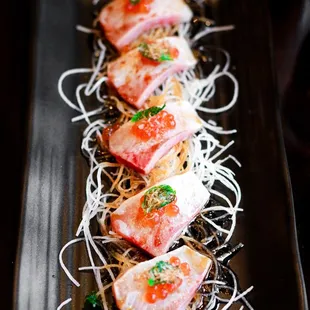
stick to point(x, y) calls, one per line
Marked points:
point(123, 21)
point(140, 145)
point(136, 74)
point(154, 218)
point(178, 273)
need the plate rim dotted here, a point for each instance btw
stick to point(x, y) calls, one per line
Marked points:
point(303, 302)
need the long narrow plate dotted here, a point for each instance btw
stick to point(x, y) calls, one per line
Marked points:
point(55, 172)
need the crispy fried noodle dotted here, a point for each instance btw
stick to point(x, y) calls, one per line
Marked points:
point(110, 183)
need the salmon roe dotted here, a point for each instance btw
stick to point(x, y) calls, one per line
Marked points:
point(161, 291)
point(154, 127)
point(174, 52)
point(152, 219)
point(151, 296)
point(185, 268)
point(172, 210)
point(148, 62)
point(156, 290)
point(174, 261)
point(138, 6)
point(149, 219)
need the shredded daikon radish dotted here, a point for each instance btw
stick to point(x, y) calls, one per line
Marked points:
point(64, 303)
point(65, 269)
point(109, 183)
point(209, 30)
point(238, 296)
point(86, 29)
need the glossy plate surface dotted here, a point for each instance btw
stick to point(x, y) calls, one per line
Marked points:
point(55, 172)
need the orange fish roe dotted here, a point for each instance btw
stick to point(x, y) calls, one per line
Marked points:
point(138, 6)
point(172, 209)
point(161, 291)
point(174, 261)
point(185, 269)
point(154, 127)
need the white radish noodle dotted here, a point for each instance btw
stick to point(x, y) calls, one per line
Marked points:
point(205, 157)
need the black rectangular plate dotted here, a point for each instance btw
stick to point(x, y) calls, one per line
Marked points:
point(55, 171)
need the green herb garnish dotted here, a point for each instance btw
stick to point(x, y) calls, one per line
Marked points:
point(160, 267)
point(158, 51)
point(151, 282)
point(157, 273)
point(147, 113)
point(165, 57)
point(93, 300)
point(134, 2)
point(146, 51)
point(157, 197)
